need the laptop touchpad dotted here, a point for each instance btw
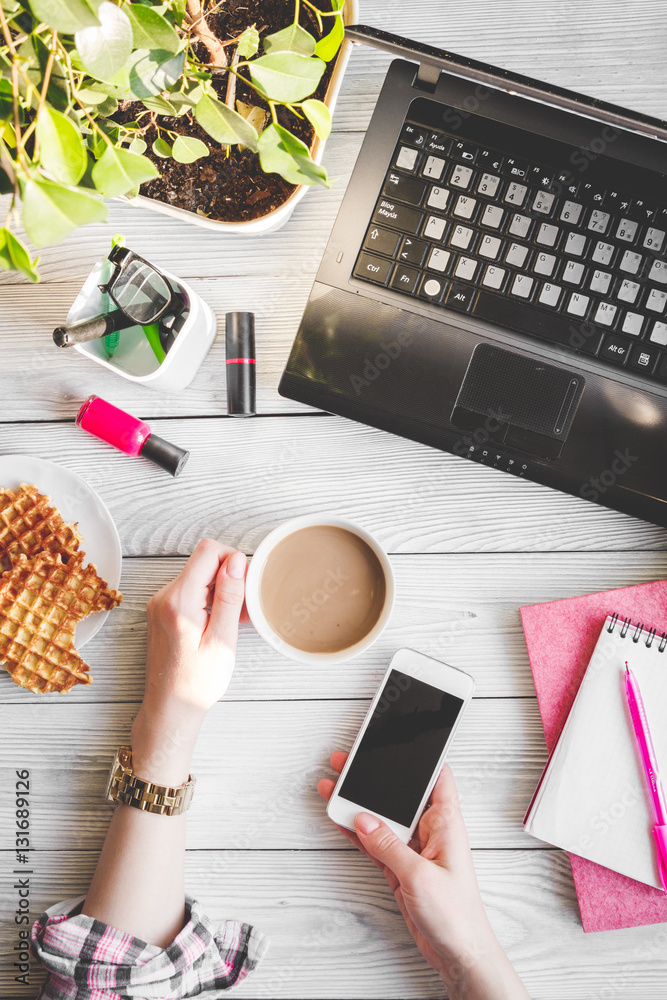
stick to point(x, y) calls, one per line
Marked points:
point(518, 401)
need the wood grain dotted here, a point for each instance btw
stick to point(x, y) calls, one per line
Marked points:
point(335, 930)
point(247, 476)
point(257, 765)
point(461, 608)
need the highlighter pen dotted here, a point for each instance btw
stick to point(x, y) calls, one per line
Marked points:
point(650, 765)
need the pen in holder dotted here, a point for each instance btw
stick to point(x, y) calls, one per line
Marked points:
point(158, 339)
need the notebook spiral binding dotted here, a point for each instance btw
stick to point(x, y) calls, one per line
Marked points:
point(639, 630)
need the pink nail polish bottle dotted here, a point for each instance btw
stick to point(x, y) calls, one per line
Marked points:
point(129, 434)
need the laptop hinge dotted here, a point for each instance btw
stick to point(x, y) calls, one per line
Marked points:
point(428, 76)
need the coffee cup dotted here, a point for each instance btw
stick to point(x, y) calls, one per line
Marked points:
point(320, 589)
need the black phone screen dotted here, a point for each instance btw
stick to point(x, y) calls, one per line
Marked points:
point(401, 747)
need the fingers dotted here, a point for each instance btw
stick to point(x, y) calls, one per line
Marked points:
point(338, 759)
point(227, 601)
point(383, 845)
point(442, 830)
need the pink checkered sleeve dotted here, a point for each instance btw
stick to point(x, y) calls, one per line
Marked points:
point(88, 960)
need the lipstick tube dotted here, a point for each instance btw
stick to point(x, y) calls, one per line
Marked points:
point(240, 345)
point(129, 434)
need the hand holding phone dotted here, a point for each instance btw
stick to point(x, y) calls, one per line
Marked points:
point(433, 879)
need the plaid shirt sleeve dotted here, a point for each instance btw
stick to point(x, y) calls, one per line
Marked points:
point(89, 960)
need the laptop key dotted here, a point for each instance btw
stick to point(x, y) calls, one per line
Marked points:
point(516, 194)
point(488, 185)
point(520, 225)
point(438, 144)
point(599, 221)
point(605, 314)
point(603, 253)
point(413, 134)
point(464, 151)
point(492, 217)
point(404, 279)
point(627, 230)
point(461, 176)
point(516, 168)
point(644, 358)
point(658, 272)
point(403, 188)
point(372, 268)
point(654, 239)
point(571, 212)
point(575, 244)
point(547, 235)
point(550, 294)
point(460, 297)
point(600, 282)
point(466, 268)
point(489, 160)
point(381, 241)
point(434, 228)
point(408, 220)
point(432, 288)
point(461, 237)
point(633, 323)
point(628, 291)
point(630, 262)
point(540, 323)
point(489, 247)
point(544, 264)
point(578, 304)
point(494, 277)
point(465, 207)
point(438, 260)
point(656, 300)
point(433, 168)
point(659, 333)
point(407, 159)
point(522, 286)
point(573, 272)
point(412, 251)
point(543, 202)
point(615, 349)
point(516, 255)
point(438, 198)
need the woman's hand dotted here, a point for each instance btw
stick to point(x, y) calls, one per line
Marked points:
point(435, 886)
point(190, 658)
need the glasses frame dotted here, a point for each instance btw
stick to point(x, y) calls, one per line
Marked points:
point(121, 258)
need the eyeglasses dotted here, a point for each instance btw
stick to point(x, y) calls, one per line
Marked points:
point(139, 290)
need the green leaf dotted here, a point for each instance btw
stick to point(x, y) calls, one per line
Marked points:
point(6, 185)
point(224, 125)
point(108, 107)
point(291, 39)
point(328, 46)
point(286, 76)
point(161, 148)
point(248, 42)
point(319, 117)
point(61, 149)
point(67, 16)
point(6, 101)
point(119, 171)
point(51, 211)
point(178, 8)
point(138, 146)
point(91, 96)
point(187, 149)
point(155, 71)
point(15, 257)
point(160, 105)
point(150, 30)
point(282, 153)
point(105, 48)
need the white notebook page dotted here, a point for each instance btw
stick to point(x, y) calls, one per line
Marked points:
point(594, 799)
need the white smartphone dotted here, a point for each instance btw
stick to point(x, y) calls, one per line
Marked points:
point(400, 749)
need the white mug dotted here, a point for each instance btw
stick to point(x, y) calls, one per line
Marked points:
point(254, 605)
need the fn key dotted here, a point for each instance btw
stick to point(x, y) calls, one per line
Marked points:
point(372, 268)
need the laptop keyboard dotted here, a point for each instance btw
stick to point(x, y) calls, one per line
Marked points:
point(539, 250)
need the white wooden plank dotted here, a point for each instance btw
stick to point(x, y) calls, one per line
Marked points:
point(252, 760)
point(336, 932)
point(247, 476)
point(459, 608)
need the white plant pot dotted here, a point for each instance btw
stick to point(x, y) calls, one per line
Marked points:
point(279, 216)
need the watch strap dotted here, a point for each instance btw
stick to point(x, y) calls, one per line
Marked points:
point(127, 788)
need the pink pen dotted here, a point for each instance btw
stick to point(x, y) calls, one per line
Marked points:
point(643, 734)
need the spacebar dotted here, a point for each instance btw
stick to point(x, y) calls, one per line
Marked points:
point(538, 323)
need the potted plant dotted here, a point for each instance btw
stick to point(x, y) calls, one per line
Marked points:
point(102, 99)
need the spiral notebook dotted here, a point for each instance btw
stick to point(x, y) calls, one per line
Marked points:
point(561, 637)
point(592, 799)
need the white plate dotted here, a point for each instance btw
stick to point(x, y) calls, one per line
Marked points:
point(76, 501)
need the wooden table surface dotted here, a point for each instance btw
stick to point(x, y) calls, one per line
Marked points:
point(469, 546)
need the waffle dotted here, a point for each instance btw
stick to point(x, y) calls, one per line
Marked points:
point(41, 601)
point(29, 525)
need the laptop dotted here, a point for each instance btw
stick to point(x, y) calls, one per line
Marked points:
point(495, 284)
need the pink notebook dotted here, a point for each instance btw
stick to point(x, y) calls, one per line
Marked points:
point(561, 637)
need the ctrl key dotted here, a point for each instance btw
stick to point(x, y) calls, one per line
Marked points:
point(372, 268)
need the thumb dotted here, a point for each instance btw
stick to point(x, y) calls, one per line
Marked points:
point(383, 845)
point(223, 624)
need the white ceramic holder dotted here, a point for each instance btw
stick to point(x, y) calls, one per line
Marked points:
point(134, 358)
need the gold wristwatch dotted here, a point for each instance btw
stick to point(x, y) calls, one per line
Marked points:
point(125, 787)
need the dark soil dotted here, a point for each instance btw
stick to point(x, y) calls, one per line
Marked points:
point(228, 184)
